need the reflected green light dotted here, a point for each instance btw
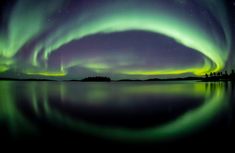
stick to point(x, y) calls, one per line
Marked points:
point(193, 120)
point(10, 113)
point(185, 89)
point(40, 97)
point(185, 124)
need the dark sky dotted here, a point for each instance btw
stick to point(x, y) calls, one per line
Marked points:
point(119, 39)
point(231, 13)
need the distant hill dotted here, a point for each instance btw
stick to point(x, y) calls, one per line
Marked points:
point(129, 80)
point(158, 79)
point(175, 79)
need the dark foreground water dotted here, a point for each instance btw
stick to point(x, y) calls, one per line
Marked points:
point(153, 114)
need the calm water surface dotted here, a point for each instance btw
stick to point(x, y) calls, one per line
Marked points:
point(128, 112)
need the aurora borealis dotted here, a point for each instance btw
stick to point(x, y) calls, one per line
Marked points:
point(120, 39)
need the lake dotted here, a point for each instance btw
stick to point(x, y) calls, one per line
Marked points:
point(143, 113)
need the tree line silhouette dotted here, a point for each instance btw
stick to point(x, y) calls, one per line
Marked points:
point(220, 76)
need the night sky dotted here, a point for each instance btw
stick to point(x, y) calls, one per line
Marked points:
point(119, 38)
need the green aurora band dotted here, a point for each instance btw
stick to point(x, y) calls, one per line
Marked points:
point(28, 21)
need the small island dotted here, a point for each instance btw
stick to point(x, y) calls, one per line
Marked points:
point(96, 79)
